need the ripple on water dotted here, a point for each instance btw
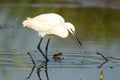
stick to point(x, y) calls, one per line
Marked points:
point(69, 60)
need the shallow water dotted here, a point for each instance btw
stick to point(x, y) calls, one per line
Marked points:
point(98, 29)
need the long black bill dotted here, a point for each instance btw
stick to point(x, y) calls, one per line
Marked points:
point(75, 35)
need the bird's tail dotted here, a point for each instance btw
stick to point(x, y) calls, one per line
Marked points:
point(26, 22)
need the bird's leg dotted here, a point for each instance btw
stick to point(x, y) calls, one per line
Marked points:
point(39, 48)
point(46, 72)
point(46, 48)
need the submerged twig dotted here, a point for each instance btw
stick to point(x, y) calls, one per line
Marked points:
point(102, 64)
point(106, 59)
point(102, 56)
point(34, 65)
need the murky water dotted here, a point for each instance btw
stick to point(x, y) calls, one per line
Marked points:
point(98, 29)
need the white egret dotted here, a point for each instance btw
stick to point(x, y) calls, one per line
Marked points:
point(50, 24)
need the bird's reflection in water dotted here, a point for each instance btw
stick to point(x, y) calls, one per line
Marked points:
point(57, 57)
point(41, 67)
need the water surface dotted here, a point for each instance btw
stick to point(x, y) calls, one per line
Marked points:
point(98, 29)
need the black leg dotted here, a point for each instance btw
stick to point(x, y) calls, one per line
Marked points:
point(46, 72)
point(46, 48)
point(39, 48)
point(38, 73)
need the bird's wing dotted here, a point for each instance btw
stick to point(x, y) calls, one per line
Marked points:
point(46, 22)
point(50, 17)
point(59, 31)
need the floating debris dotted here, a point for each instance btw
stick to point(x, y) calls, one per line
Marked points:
point(57, 56)
point(101, 75)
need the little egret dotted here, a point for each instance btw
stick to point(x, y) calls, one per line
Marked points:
point(50, 24)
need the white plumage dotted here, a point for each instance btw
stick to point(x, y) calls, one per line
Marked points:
point(50, 24)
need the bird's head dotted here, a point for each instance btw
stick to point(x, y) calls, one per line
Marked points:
point(70, 27)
